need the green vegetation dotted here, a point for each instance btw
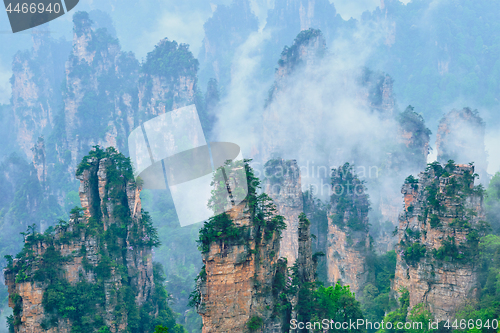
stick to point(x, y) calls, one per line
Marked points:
point(84, 302)
point(337, 303)
point(291, 54)
point(458, 187)
point(255, 323)
point(170, 60)
point(376, 300)
point(492, 203)
point(487, 305)
point(262, 209)
point(349, 198)
point(418, 314)
point(413, 252)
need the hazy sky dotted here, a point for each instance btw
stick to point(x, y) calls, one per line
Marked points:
point(181, 21)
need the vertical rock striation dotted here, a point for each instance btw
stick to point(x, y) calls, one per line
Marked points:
point(96, 271)
point(460, 138)
point(100, 92)
point(37, 75)
point(240, 250)
point(348, 238)
point(283, 185)
point(169, 79)
point(438, 238)
point(227, 29)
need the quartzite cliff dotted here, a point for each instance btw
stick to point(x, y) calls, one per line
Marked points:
point(438, 237)
point(95, 271)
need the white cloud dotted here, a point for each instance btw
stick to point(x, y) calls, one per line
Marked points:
point(5, 88)
point(492, 142)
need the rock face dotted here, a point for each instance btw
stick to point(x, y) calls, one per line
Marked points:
point(237, 289)
point(306, 265)
point(244, 285)
point(348, 238)
point(225, 31)
point(105, 252)
point(104, 94)
point(289, 17)
point(237, 279)
point(36, 77)
point(169, 80)
point(100, 94)
point(39, 160)
point(307, 48)
point(409, 157)
point(460, 137)
point(283, 186)
point(438, 237)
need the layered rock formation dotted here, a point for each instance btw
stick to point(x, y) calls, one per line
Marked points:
point(348, 239)
point(244, 285)
point(438, 238)
point(100, 94)
point(36, 77)
point(236, 289)
point(237, 281)
point(95, 272)
point(307, 48)
point(169, 80)
point(408, 157)
point(460, 138)
point(227, 29)
point(284, 187)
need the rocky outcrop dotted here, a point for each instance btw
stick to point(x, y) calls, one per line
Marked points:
point(438, 238)
point(105, 251)
point(306, 265)
point(169, 79)
point(460, 138)
point(227, 29)
point(283, 185)
point(409, 156)
point(39, 159)
point(307, 49)
point(289, 17)
point(236, 289)
point(100, 93)
point(348, 239)
point(238, 279)
point(37, 75)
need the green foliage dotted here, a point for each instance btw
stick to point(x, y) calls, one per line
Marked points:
point(161, 329)
point(398, 315)
point(487, 306)
point(411, 180)
point(221, 227)
point(349, 198)
point(336, 303)
point(376, 300)
point(492, 203)
point(170, 60)
point(434, 221)
point(83, 301)
point(291, 54)
point(414, 252)
point(255, 323)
